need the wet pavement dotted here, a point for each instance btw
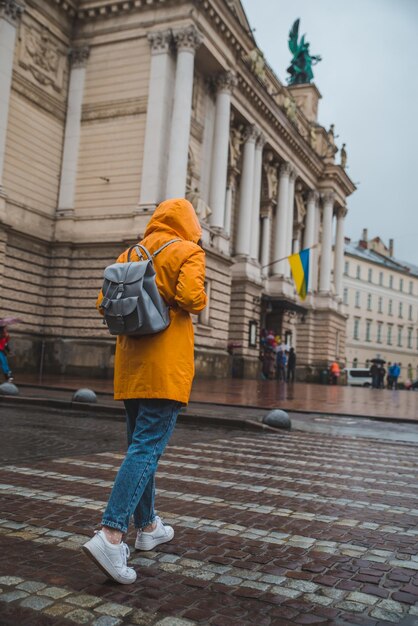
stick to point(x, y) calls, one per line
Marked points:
point(298, 397)
point(313, 526)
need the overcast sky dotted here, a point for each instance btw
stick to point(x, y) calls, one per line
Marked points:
point(368, 78)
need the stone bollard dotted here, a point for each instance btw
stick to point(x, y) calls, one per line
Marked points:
point(85, 395)
point(278, 419)
point(9, 389)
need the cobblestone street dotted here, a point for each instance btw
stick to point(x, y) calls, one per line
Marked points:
point(271, 528)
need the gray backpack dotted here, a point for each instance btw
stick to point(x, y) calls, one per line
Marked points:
point(132, 304)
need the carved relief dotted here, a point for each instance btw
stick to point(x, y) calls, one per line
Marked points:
point(41, 56)
point(11, 10)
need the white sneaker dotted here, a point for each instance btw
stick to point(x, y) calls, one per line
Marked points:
point(110, 558)
point(148, 540)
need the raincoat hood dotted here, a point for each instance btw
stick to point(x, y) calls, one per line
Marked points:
point(177, 217)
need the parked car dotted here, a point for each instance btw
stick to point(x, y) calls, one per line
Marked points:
point(359, 376)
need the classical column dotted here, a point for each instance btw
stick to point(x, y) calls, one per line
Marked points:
point(187, 39)
point(290, 215)
point(160, 94)
point(255, 217)
point(246, 193)
point(219, 169)
point(10, 12)
point(78, 58)
point(265, 242)
point(280, 231)
point(339, 253)
point(309, 236)
point(326, 248)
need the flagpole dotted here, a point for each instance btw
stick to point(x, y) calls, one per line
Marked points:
point(286, 257)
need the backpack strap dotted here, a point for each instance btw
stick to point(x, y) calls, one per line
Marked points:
point(140, 250)
point(164, 246)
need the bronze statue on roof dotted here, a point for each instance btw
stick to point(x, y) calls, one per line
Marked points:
point(300, 68)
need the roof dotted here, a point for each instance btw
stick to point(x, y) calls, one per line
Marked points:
point(390, 262)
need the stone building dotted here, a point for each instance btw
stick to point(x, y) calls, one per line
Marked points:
point(109, 106)
point(380, 293)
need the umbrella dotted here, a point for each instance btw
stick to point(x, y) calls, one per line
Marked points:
point(8, 321)
point(378, 361)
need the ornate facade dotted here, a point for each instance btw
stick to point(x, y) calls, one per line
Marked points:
point(109, 107)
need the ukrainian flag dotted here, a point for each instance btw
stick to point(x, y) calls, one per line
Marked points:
point(299, 264)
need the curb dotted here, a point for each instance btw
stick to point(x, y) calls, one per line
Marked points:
point(118, 414)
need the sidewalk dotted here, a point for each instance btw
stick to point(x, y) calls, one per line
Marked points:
point(255, 394)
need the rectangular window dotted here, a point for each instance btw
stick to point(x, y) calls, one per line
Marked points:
point(390, 282)
point(369, 302)
point(356, 328)
point(401, 284)
point(204, 316)
point(410, 313)
point(345, 296)
point(400, 329)
point(380, 305)
point(389, 334)
point(411, 287)
point(410, 331)
point(400, 309)
point(370, 275)
point(346, 267)
point(380, 278)
point(358, 271)
point(390, 305)
point(357, 304)
point(379, 332)
point(368, 329)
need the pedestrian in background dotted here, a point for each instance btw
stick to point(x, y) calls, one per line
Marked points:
point(396, 370)
point(374, 373)
point(291, 365)
point(382, 374)
point(334, 370)
point(281, 365)
point(4, 351)
point(153, 376)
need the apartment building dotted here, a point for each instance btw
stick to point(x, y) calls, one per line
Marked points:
point(380, 293)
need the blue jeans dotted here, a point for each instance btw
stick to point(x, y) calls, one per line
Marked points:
point(3, 363)
point(150, 424)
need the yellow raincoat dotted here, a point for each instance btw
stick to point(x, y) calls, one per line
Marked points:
point(162, 365)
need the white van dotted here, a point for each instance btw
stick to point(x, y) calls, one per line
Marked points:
point(359, 376)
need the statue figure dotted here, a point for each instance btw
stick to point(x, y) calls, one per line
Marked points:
point(312, 136)
point(290, 108)
point(331, 148)
point(343, 154)
point(235, 141)
point(257, 63)
point(300, 68)
point(270, 167)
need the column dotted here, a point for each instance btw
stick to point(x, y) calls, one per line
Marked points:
point(242, 245)
point(228, 205)
point(160, 95)
point(219, 168)
point(187, 39)
point(10, 12)
point(280, 232)
point(290, 216)
point(326, 248)
point(255, 218)
point(265, 242)
point(309, 236)
point(339, 253)
point(78, 58)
